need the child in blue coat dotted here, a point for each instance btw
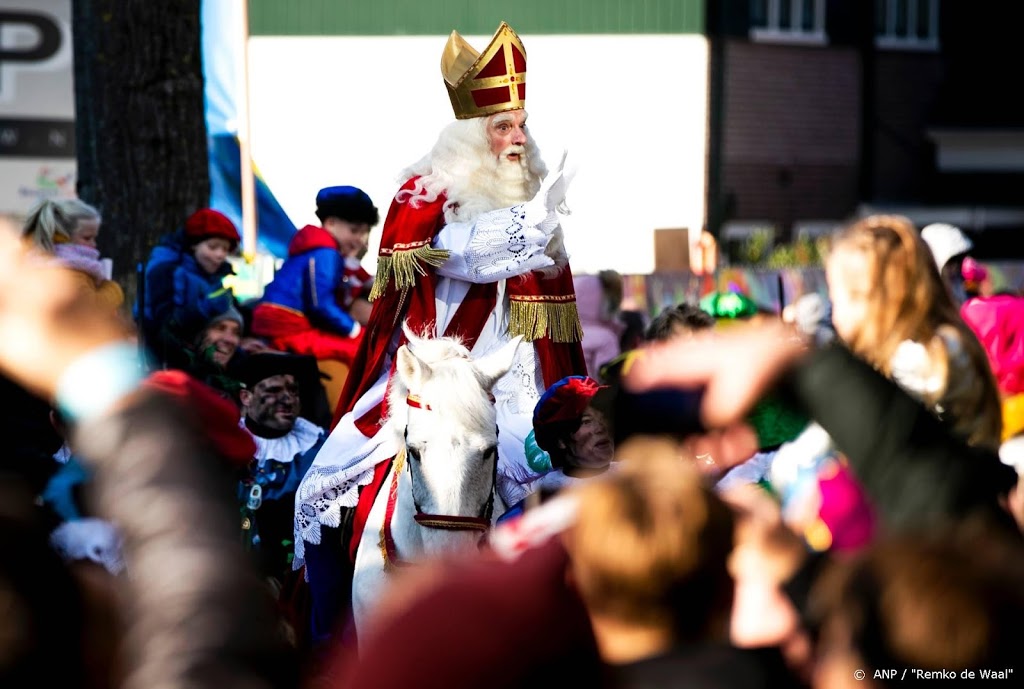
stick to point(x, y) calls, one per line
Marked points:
point(184, 282)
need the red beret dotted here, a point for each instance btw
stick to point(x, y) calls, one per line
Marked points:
point(218, 416)
point(566, 400)
point(206, 223)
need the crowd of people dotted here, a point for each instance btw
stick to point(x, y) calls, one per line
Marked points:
point(717, 496)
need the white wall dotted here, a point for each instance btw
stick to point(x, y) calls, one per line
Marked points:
point(632, 110)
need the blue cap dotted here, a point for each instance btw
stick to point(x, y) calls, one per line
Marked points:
point(346, 203)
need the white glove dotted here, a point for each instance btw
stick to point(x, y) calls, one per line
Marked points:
point(540, 210)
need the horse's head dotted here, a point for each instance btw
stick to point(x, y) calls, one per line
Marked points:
point(441, 407)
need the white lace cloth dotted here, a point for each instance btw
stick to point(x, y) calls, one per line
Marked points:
point(285, 449)
point(500, 244)
point(89, 539)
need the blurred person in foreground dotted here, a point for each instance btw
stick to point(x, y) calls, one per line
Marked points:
point(649, 551)
point(204, 620)
point(918, 471)
point(931, 606)
point(915, 468)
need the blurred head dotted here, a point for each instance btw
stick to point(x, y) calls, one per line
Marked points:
point(945, 243)
point(222, 335)
point(884, 288)
point(571, 424)
point(57, 221)
point(929, 602)
point(352, 238)
point(682, 320)
point(975, 278)
point(650, 546)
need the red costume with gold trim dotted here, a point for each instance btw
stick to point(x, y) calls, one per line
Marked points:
point(484, 279)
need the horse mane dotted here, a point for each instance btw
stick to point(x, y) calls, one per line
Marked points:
point(454, 388)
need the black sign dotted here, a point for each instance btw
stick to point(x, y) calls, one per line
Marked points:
point(37, 138)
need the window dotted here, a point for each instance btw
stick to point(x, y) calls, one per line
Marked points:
point(907, 24)
point(788, 21)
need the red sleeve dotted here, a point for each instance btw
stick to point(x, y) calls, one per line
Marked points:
point(404, 224)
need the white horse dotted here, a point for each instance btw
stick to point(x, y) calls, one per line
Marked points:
point(440, 493)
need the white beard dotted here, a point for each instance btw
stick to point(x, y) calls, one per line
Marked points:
point(474, 180)
point(496, 183)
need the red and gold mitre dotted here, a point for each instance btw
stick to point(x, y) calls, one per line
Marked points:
point(481, 84)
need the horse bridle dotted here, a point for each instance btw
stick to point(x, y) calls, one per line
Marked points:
point(449, 522)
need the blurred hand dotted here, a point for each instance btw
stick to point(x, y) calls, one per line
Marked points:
point(719, 450)
point(735, 368)
point(766, 554)
point(46, 321)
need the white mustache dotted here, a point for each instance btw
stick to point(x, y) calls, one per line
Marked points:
point(514, 150)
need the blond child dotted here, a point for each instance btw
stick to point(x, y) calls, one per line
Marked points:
point(67, 229)
point(890, 306)
point(892, 309)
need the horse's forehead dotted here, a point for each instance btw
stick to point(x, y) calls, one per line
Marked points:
point(437, 352)
point(446, 432)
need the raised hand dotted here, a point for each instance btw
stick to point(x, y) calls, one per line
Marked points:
point(46, 320)
point(735, 368)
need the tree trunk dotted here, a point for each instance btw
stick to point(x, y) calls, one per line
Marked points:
point(140, 127)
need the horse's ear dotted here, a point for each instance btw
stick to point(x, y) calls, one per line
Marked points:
point(496, 364)
point(411, 371)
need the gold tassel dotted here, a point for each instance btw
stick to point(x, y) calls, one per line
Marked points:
point(535, 319)
point(403, 266)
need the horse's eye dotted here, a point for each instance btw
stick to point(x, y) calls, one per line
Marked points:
point(490, 452)
point(414, 454)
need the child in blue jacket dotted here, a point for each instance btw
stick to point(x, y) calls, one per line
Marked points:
point(184, 282)
point(304, 309)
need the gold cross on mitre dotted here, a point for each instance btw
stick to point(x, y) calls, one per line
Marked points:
point(484, 83)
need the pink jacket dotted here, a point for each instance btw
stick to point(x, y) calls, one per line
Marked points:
point(999, 324)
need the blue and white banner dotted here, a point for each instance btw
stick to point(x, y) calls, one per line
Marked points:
point(223, 44)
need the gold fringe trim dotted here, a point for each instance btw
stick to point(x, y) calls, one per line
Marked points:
point(403, 267)
point(535, 319)
point(397, 466)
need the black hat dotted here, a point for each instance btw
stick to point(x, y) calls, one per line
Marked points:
point(260, 366)
point(346, 203)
